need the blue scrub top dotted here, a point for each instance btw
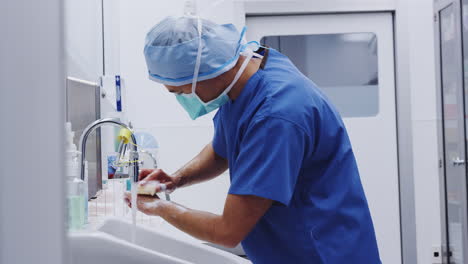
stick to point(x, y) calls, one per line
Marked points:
point(286, 142)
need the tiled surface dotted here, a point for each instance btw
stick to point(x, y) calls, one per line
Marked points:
point(109, 203)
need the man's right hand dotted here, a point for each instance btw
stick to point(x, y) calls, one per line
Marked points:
point(159, 175)
point(205, 166)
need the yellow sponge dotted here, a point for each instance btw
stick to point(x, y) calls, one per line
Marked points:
point(151, 187)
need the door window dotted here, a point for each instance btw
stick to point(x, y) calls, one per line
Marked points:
point(344, 66)
point(455, 177)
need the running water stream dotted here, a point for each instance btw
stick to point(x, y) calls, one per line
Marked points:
point(134, 211)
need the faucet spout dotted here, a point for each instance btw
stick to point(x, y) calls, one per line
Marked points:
point(133, 167)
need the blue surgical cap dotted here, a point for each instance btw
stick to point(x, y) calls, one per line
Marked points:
point(171, 49)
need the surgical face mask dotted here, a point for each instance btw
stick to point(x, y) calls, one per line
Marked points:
point(192, 103)
point(195, 106)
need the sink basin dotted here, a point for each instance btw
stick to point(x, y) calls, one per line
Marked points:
point(110, 243)
point(98, 247)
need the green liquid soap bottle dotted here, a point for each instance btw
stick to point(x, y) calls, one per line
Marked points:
point(76, 189)
point(76, 204)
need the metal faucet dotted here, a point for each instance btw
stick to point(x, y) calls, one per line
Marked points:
point(133, 170)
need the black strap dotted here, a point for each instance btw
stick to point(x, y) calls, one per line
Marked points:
point(266, 52)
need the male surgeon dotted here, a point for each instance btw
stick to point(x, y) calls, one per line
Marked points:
point(295, 193)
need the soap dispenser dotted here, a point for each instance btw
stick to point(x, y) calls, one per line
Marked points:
point(76, 188)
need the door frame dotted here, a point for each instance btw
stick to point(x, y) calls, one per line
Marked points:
point(440, 5)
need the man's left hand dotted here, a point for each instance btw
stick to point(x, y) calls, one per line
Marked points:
point(149, 205)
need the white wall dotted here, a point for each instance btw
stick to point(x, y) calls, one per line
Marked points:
point(307, 6)
point(111, 36)
point(424, 109)
point(405, 133)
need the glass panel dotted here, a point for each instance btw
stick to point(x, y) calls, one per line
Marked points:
point(344, 66)
point(465, 58)
point(453, 132)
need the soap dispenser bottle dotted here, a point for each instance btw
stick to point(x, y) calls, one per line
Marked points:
point(76, 188)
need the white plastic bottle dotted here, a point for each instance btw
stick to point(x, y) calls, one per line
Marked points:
point(76, 188)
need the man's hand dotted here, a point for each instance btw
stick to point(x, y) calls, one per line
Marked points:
point(149, 205)
point(241, 214)
point(159, 175)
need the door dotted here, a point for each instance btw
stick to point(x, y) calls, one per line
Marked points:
point(351, 58)
point(453, 128)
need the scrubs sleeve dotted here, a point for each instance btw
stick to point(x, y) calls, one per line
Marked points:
point(270, 159)
point(219, 143)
